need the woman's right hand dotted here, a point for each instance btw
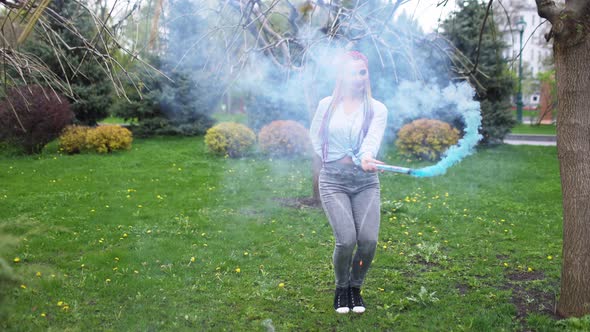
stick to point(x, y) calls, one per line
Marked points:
point(368, 163)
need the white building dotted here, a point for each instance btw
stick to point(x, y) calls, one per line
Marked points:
point(536, 49)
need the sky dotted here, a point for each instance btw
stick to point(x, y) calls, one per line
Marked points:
point(427, 13)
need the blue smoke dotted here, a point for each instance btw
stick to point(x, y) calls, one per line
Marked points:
point(420, 99)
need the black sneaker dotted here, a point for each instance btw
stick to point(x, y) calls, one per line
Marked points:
point(341, 304)
point(356, 303)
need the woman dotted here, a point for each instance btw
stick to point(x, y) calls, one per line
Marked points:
point(346, 132)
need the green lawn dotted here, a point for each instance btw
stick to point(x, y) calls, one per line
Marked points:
point(534, 129)
point(115, 120)
point(167, 237)
point(231, 117)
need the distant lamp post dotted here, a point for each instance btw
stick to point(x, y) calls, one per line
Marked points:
point(520, 25)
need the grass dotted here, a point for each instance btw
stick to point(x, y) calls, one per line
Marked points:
point(167, 237)
point(231, 117)
point(534, 129)
point(527, 113)
point(115, 120)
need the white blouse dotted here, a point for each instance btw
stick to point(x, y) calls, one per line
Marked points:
point(344, 130)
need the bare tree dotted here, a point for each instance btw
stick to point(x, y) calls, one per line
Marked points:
point(288, 35)
point(19, 18)
point(571, 48)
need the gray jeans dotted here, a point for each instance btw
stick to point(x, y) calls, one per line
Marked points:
point(351, 201)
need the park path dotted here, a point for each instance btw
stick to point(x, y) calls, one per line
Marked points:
point(530, 139)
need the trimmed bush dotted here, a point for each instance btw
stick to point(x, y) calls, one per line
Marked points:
point(32, 116)
point(284, 138)
point(103, 139)
point(230, 139)
point(73, 139)
point(426, 138)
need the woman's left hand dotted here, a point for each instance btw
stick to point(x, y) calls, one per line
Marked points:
point(368, 163)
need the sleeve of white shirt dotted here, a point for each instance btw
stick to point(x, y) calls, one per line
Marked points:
point(316, 123)
point(372, 141)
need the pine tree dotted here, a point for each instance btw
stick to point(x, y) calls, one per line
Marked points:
point(80, 68)
point(463, 29)
point(180, 105)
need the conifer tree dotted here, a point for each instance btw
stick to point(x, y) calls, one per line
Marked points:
point(463, 28)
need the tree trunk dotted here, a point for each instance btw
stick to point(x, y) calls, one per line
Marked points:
point(316, 166)
point(547, 104)
point(572, 66)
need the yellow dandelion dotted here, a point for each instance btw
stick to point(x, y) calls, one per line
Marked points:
point(246, 253)
point(38, 274)
point(23, 286)
point(108, 280)
point(238, 270)
point(549, 257)
point(43, 314)
point(281, 285)
point(60, 303)
point(125, 235)
point(16, 260)
point(419, 233)
point(530, 269)
point(192, 259)
point(506, 264)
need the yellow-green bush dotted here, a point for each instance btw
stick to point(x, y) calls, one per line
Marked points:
point(73, 139)
point(103, 139)
point(426, 138)
point(230, 139)
point(284, 138)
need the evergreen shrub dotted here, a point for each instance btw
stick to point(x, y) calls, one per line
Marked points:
point(73, 139)
point(230, 139)
point(426, 138)
point(284, 138)
point(104, 139)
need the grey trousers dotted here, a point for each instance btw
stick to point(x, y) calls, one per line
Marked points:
point(351, 200)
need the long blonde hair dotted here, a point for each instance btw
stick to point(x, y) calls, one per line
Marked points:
point(337, 95)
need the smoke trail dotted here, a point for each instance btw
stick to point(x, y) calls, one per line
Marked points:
point(428, 98)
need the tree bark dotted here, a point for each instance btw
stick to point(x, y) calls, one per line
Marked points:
point(570, 25)
point(572, 64)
